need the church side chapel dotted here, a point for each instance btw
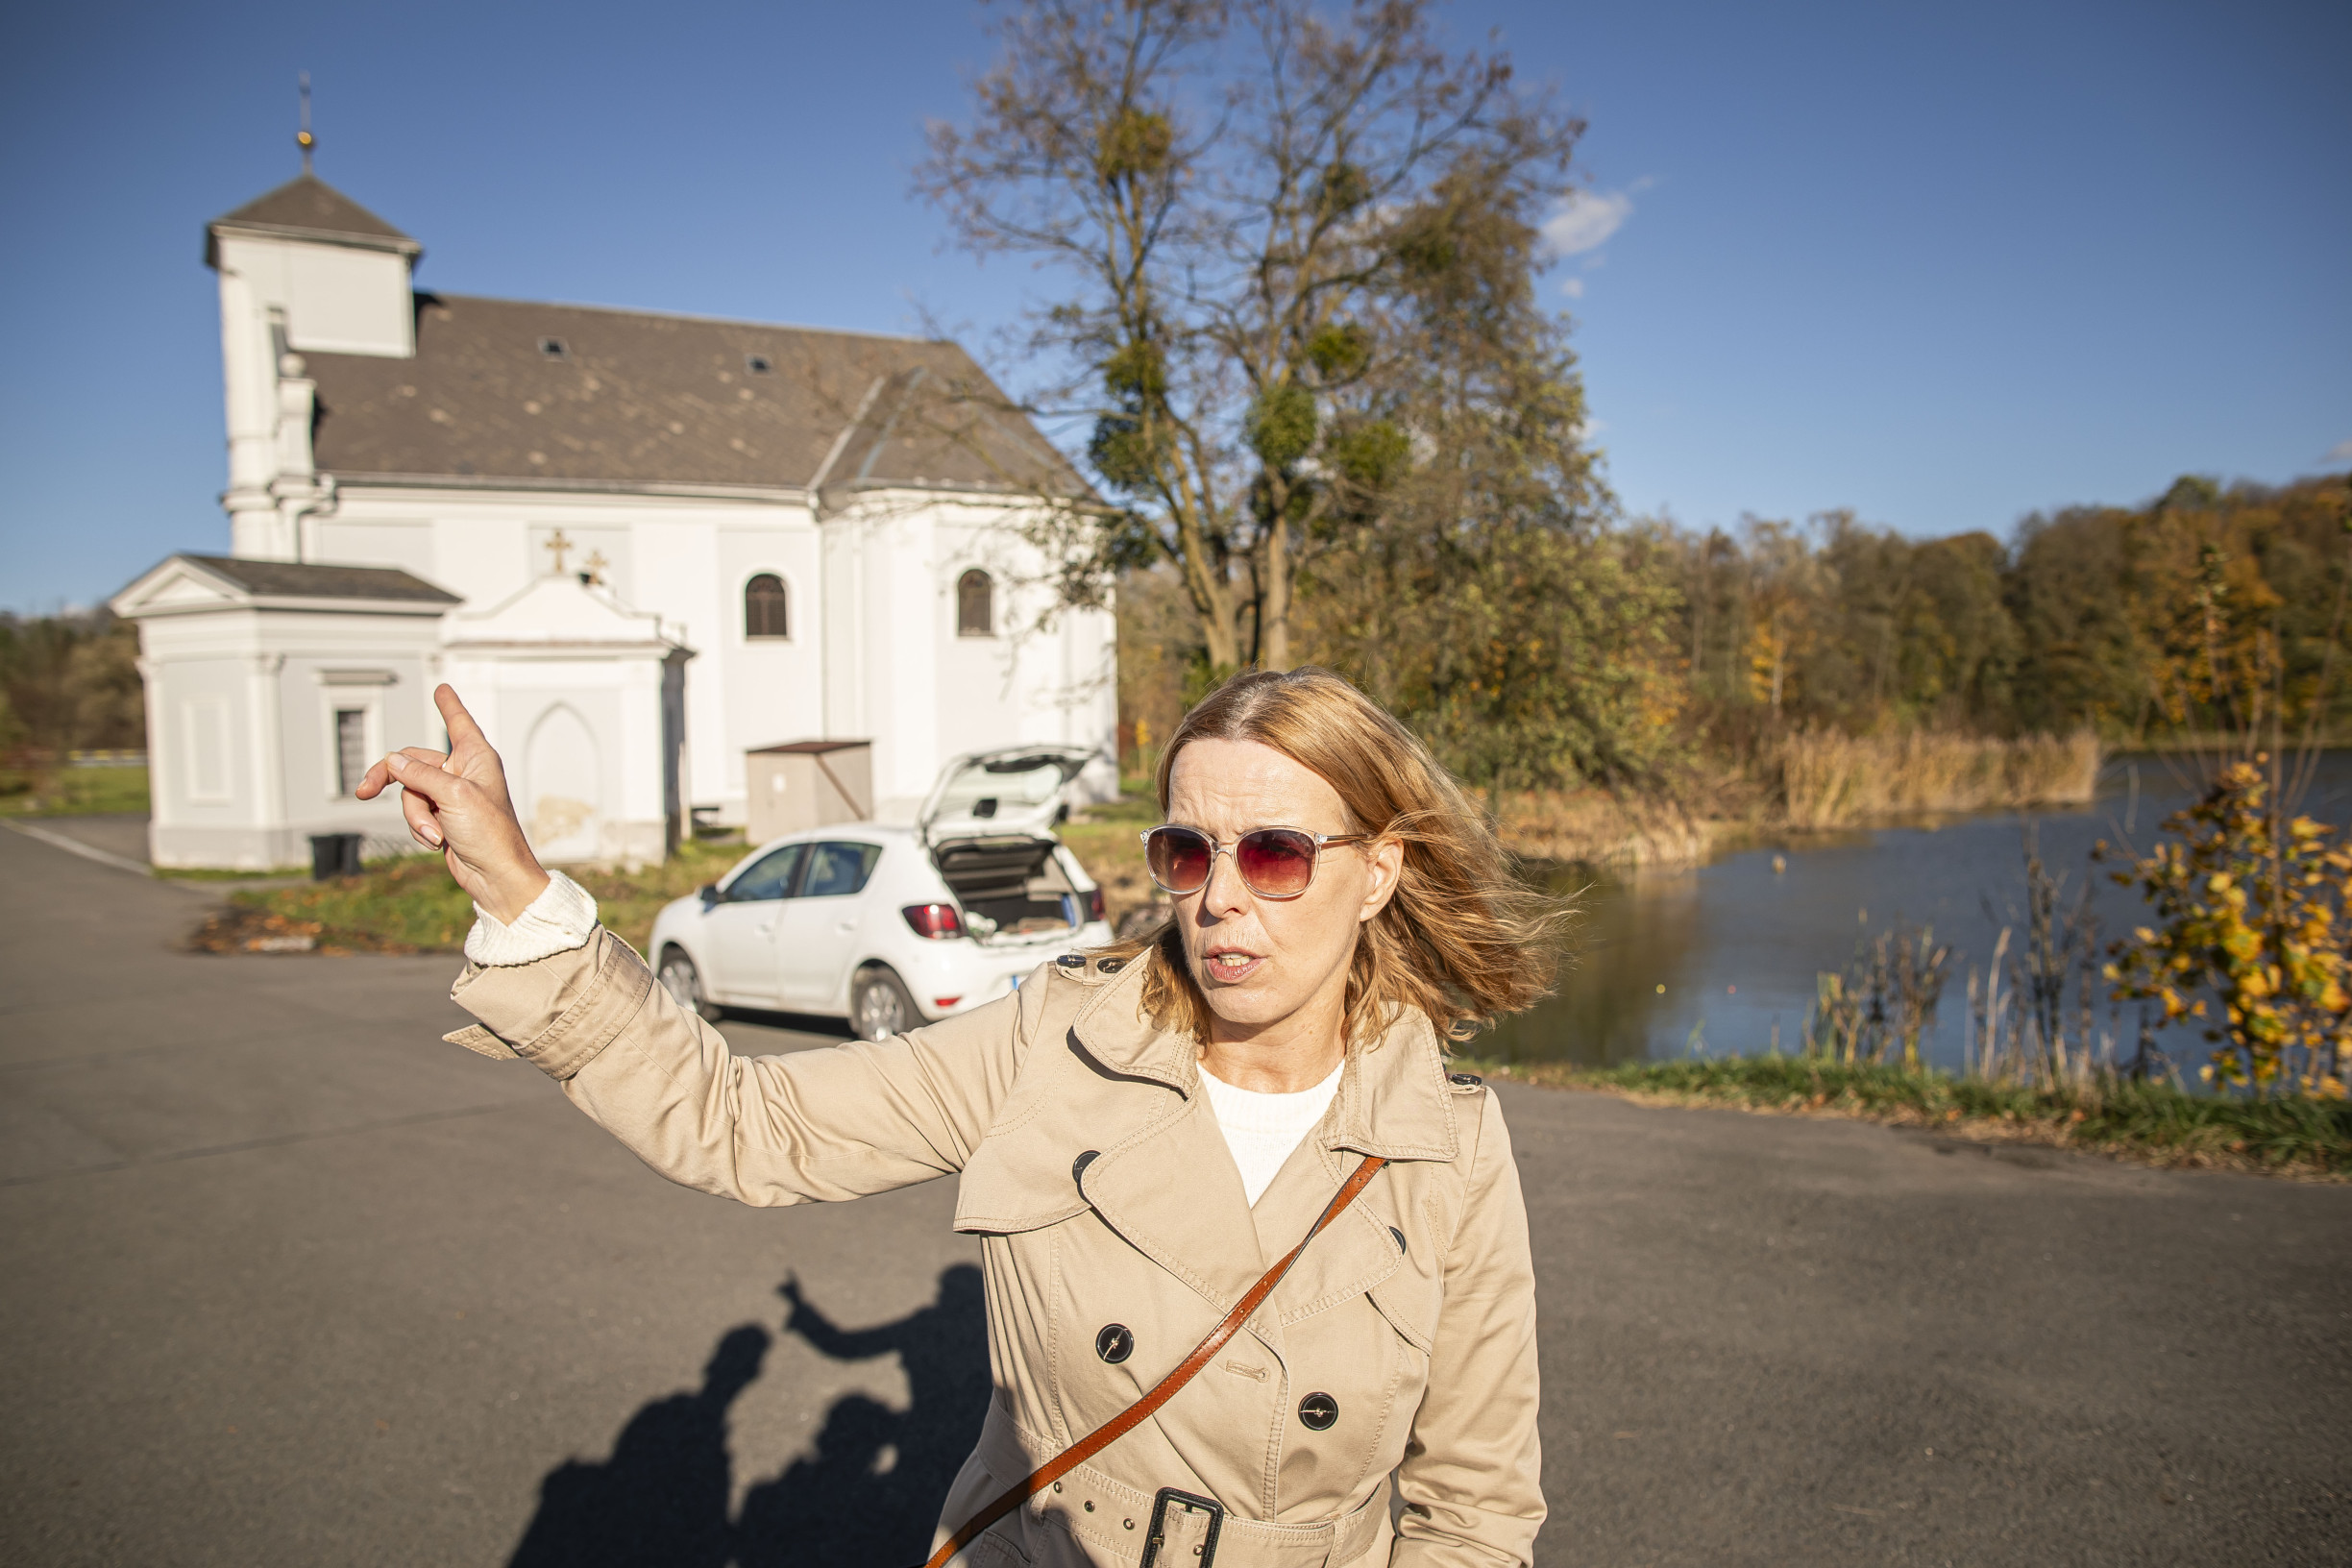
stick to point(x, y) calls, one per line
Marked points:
point(641, 546)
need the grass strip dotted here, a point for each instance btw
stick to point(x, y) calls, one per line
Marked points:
point(74, 792)
point(409, 905)
point(2154, 1122)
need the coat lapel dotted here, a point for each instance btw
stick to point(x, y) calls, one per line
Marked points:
point(1394, 1102)
point(1174, 1191)
point(1170, 1185)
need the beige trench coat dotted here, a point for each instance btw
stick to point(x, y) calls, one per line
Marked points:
point(1095, 1174)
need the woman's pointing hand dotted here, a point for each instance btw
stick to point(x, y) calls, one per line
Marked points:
point(459, 804)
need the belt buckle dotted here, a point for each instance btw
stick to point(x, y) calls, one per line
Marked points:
point(1158, 1522)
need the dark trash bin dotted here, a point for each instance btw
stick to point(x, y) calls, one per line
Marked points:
point(334, 855)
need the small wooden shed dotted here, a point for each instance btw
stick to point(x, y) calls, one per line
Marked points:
point(805, 784)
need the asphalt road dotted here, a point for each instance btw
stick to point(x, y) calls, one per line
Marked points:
point(288, 1281)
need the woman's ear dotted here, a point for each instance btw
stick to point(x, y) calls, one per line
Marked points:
point(1384, 860)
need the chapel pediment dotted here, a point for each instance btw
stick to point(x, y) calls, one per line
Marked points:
point(562, 611)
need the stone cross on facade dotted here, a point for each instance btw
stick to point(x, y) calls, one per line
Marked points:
point(558, 546)
point(594, 568)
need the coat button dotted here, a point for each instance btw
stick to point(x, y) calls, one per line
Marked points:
point(1400, 1238)
point(1114, 1344)
point(1317, 1413)
point(1079, 1165)
point(1465, 1080)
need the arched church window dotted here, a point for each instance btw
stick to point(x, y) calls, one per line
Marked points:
point(975, 604)
point(767, 609)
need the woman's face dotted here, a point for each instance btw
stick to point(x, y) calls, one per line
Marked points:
point(1262, 962)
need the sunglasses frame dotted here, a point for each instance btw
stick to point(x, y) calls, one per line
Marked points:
point(1217, 846)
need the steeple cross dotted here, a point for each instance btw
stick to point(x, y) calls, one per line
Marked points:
point(558, 546)
point(594, 568)
point(302, 138)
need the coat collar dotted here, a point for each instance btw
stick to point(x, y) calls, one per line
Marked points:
point(1115, 1120)
point(1393, 1098)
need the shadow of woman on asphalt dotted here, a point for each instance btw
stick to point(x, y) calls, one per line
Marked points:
point(871, 1492)
point(662, 1497)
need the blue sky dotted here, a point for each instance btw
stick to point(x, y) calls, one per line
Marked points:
point(1943, 264)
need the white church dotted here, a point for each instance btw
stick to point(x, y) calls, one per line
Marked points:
point(640, 546)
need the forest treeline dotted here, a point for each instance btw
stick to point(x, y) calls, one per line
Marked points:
point(1564, 650)
point(1556, 649)
point(67, 682)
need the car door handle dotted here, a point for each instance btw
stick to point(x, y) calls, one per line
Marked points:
point(763, 930)
point(845, 928)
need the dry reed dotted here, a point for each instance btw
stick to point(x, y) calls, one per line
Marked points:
point(1830, 779)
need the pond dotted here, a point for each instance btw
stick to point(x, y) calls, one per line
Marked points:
point(1721, 960)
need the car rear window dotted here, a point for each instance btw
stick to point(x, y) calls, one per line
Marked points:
point(838, 868)
point(769, 877)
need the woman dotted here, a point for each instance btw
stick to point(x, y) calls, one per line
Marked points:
point(1140, 1135)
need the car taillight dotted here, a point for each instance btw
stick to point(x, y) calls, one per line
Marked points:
point(1094, 904)
point(938, 921)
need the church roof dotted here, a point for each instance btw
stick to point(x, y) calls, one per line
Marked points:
point(582, 398)
point(308, 207)
point(302, 579)
point(185, 584)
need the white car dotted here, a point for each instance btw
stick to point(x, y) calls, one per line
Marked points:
point(894, 926)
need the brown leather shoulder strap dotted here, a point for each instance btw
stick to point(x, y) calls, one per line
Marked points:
point(1135, 1414)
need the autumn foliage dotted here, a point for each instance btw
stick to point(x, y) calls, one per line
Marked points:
point(2252, 912)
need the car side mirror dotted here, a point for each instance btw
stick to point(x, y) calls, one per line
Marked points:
point(709, 893)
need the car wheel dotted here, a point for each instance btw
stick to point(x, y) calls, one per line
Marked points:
point(879, 1006)
point(684, 983)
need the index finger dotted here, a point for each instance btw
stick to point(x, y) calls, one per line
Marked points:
point(460, 724)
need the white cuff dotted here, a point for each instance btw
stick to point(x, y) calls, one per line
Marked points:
point(562, 917)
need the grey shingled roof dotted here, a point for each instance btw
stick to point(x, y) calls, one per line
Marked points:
point(638, 398)
point(309, 206)
point(297, 580)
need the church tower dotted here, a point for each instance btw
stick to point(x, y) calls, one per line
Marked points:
point(303, 270)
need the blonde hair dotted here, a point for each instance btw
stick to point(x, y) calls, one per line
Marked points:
point(1462, 937)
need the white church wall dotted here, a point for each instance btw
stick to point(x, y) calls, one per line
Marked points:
point(405, 543)
point(665, 554)
point(479, 555)
point(567, 681)
point(1036, 677)
point(841, 588)
point(336, 299)
point(249, 385)
point(901, 640)
point(244, 766)
point(768, 690)
point(872, 652)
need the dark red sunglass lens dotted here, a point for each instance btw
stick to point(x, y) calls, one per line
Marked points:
point(1179, 859)
point(1277, 862)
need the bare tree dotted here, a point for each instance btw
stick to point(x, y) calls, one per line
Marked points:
point(1247, 201)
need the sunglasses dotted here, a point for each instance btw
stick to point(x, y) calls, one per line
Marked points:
point(1274, 862)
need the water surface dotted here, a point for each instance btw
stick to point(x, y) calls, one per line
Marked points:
point(1713, 960)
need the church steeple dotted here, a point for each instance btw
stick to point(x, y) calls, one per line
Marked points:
point(303, 270)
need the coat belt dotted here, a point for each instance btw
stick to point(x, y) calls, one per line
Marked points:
point(1119, 1524)
point(1121, 1516)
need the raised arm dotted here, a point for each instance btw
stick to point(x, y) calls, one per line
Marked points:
point(862, 1118)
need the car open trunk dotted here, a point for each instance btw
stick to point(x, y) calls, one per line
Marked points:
point(989, 823)
point(1011, 884)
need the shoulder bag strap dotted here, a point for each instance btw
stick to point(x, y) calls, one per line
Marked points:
point(1135, 1414)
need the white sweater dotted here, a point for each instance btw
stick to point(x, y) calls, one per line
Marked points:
point(1263, 1129)
point(1259, 1129)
